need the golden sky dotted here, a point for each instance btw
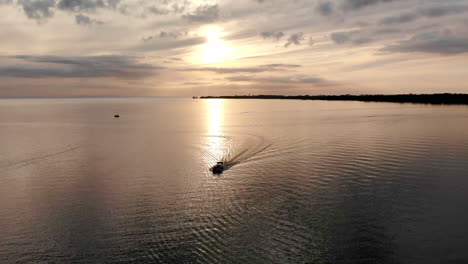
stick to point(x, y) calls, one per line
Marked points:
point(55, 48)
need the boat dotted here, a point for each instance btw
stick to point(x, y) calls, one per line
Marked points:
point(218, 168)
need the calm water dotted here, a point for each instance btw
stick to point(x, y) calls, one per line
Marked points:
point(308, 182)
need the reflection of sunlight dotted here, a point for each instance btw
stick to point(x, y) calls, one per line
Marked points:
point(214, 120)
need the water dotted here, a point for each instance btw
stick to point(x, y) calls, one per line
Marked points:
point(306, 181)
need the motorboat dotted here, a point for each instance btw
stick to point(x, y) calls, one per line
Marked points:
point(218, 168)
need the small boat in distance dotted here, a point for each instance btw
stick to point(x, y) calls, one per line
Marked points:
point(218, 168)
point(116, 116)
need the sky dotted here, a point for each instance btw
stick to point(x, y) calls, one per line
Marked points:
point(75, 48)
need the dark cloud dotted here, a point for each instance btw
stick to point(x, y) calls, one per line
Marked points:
point(258, 69)
point(78, 67)
point(430, 12)
point(166, 34)
point(358, 4)
point(403, 18)
point(179, 8)
point(204, 14)
point(355, 37)
point(325, 8)
point(439, 11)
point(444, 43)
point(295, 39)
point(146, 39)
point(152, 43)
point(38, 9)
point(271, 34)
point(86, 21)
point(342, 37)
point(86, 5)
point(280, 65)
point(158, 11)
point(297, 79)
point(363, 40)
point(43, 9)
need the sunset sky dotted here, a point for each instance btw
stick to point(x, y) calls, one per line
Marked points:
point(55, 48)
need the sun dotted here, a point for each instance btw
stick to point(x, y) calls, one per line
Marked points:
point(214, 50)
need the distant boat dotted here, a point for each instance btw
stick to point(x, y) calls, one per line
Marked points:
point(116, 116)
point(218, 168)
point(194, 97)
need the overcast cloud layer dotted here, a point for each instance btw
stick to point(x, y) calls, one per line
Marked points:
point(224, 47)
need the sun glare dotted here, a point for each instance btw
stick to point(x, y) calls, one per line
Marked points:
point(215, 139)
point(215, 49)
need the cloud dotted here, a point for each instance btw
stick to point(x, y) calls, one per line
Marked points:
point(38, 9)
point(355, 37)
point(86, 21)
point(342, 37)
point(43, 9)
point(113, 66)
point(311, 41)
point(363, 40)
point(295, 39)
point(325, 8)
point(146, 39)
point(158, 11)
point(430, 12)
point(443, 43)
point(166, 34)
point(296, 79)
point(179, 8)
point(258, 69)
point(387, 31)
point(86, 5)
point(403, 18)
point(375, 64)
point(204, 14)
point(271, 34)
point(358, 4)
point(231, 70)
point(195, 83)
point(280, 65)
point(439, 11)
point(152, 43)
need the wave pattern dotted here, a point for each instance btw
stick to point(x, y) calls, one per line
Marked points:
point(321, 189)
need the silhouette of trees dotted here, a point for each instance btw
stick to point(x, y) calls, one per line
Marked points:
point(445, 98)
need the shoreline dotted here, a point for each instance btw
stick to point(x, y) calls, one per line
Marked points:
point(436, 99)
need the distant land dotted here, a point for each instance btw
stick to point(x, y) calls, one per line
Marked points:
point(445, 98)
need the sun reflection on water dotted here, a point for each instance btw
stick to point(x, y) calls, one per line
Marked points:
point(214, 119)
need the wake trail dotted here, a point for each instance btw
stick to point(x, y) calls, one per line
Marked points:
point(29, 161)
point(249, 149)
